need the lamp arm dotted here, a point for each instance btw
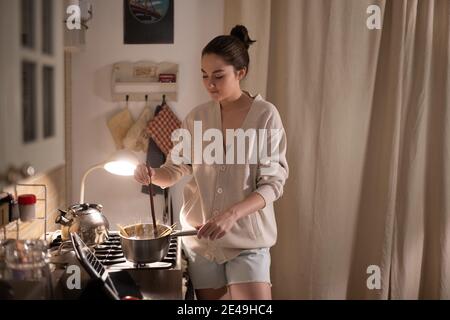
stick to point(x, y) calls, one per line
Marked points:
point(83, 180)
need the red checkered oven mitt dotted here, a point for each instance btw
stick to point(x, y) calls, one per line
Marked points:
point(161, 127)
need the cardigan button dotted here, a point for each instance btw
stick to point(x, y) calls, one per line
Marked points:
point(219, 190)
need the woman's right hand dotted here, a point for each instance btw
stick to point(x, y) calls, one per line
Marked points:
point(141, 173)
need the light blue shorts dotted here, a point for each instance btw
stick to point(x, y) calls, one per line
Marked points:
point(251, 265)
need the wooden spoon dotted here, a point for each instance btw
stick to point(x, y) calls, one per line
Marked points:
point(152, 206)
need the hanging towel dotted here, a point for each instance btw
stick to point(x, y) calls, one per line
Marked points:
point(119, 124)
point(155, 158)
point(161, 128)
point(137, 137)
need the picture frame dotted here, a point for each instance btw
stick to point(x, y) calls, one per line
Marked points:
point(148, 21)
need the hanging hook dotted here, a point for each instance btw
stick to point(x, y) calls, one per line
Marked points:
point(127, 97)
point(146, 97)
point(164, 100)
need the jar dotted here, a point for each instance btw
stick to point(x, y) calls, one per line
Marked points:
point(27, 207)
point(6, 291)
point(27, 269)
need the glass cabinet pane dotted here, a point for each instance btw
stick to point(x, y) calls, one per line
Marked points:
point(47, 26)
point(29, 128)
point(48, 103)
point(28, 23)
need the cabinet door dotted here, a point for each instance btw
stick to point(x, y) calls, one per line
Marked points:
point(32, 84)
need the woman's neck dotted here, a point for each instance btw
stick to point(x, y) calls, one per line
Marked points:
point(235, 101)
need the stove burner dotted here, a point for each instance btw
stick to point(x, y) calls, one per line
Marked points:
point(110, 253)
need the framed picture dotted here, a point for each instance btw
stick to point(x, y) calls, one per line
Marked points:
point(148, 21)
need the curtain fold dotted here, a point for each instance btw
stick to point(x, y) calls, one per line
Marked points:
point(367, 119)
point(256, 14)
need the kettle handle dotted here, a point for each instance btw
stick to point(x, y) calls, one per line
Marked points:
point(61, 219)
point(98, 207)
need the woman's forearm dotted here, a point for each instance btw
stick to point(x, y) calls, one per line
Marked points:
point(219, 225)
point(251, 204)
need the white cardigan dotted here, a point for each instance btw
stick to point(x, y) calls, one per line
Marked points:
point(216, 187)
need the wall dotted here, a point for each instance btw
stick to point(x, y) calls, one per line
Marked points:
point(196, 22)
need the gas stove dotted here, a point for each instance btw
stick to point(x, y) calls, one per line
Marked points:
point(110, 254)
point(167, 279)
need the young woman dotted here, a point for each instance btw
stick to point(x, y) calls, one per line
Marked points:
point(231, 204)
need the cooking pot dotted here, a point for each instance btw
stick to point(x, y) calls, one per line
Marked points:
point(87, 220)
point(145, 248)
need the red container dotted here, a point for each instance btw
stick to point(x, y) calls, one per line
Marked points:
point(27, 207)
point(167, 77)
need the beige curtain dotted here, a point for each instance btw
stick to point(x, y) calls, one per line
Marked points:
point(368, 124)
point(256, 14)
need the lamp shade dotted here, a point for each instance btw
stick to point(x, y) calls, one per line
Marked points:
point(122, 163)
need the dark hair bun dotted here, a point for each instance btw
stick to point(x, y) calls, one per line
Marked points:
point(241, 32)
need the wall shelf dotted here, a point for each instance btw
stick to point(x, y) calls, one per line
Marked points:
point(140, 79)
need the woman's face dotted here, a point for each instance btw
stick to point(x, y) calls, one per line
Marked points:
point(220, 79)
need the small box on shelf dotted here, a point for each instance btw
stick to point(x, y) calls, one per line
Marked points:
point(167, 78)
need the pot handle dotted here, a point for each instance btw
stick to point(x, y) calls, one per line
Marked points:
point(184, 233)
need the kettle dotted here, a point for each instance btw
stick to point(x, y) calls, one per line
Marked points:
point(85, 219)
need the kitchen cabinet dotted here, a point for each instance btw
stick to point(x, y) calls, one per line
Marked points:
point(31, 85)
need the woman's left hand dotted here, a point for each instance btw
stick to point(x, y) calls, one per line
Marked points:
point(218, 226)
